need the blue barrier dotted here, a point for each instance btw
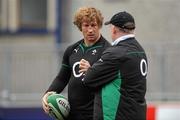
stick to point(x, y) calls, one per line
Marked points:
point(23, 114)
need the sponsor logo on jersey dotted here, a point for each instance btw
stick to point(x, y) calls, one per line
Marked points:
point(75, 70)
point(143, 67)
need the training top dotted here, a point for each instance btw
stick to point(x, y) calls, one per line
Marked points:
point(79, 96)
point(119, 78)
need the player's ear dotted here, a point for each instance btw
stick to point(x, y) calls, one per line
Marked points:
point(114, 29)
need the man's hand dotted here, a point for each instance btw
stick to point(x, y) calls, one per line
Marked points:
point(83, 66)
point(44, 101)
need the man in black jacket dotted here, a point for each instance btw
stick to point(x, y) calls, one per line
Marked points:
point(89, 21)
point(119, 76)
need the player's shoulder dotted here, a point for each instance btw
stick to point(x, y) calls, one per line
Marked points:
point(73, 45)
point(104, 41)
point(115, 51)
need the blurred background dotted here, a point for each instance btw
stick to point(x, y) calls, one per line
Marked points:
point(35, 33)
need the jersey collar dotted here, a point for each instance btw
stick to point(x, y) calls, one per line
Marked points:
point(122, 38)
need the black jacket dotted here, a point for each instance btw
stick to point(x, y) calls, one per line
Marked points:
point(119, 78)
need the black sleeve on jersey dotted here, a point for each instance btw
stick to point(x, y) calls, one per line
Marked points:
point(64, 74)
point(103, 71)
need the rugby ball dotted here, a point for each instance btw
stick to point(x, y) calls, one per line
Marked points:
point(59, 106)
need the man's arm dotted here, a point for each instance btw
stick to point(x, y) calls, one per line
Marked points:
point(64, 74)
point(59, 82)
point(103, 71)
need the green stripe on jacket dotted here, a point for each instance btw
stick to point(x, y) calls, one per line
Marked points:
point(110, 98)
